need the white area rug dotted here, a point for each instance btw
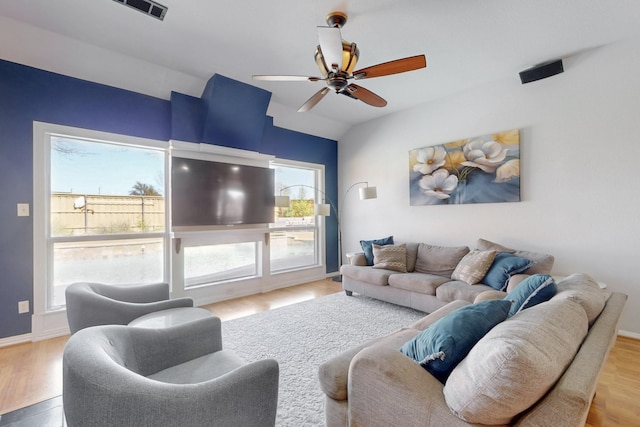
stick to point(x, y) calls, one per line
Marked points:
point(302, 336)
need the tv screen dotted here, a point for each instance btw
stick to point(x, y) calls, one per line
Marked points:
point(213, 193)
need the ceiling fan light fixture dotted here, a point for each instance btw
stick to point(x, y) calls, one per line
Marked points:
point(350, 55)
point(336, 59)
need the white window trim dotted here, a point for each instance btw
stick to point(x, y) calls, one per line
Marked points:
point(47, 324)
point(320, 220)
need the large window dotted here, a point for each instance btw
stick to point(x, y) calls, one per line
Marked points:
point(104, 211)
point(295, 241)
point(101, 215)
point(211, 264)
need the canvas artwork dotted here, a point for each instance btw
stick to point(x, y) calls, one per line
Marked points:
point(483, 169)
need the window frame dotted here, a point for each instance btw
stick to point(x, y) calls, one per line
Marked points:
point(319, 226)
point(42, 238)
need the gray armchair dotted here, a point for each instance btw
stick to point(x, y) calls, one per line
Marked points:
point(177, 376)
point(91, 304)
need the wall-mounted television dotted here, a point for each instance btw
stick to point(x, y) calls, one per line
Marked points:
point(205, 193)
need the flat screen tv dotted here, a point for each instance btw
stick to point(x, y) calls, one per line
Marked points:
point(213, 193)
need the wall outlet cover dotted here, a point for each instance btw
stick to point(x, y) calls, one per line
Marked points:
point(23, 209)
point(23, 307)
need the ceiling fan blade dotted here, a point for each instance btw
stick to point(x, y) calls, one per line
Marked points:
point(287, 78)
point(393, 67)
point(364, 95)
point(317, 97)
point(331, 46)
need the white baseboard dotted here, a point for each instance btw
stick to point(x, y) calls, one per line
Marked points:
point(629, 334)
point(16, 339)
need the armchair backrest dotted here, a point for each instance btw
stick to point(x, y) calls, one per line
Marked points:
point(92, 304)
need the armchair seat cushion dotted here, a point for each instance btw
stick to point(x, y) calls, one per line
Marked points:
point(170, 317)
point(201, 369)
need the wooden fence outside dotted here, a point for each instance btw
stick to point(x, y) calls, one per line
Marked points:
point(80, 214)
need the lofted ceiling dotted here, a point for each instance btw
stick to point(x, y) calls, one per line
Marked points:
point(467, 43)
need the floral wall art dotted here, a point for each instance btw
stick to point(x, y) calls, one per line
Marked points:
point(483, 169)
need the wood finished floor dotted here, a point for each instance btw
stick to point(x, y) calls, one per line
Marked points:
point(32, 372)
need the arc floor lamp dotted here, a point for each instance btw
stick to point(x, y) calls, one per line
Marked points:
point(324, 209)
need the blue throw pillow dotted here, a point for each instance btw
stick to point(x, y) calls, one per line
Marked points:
point(531, 291)
point(504, 266)
point(443, 345)
point(367, 247)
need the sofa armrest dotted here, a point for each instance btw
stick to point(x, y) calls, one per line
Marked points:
point(387, 388)
point(359, 259)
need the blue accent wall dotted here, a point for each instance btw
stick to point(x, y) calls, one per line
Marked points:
point(28, 94)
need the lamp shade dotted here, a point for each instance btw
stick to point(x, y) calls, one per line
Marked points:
point(322, 209)
point(282, 201)
point(368, 193)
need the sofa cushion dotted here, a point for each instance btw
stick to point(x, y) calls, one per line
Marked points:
point(504, 266)
point(390, 257)
point(583, 289)
point(531, 291)
point(417, 282)
point(412, 254)
point(543, 263)
point(439, 348)
point(457, 289)
point(473, 266)
point(367, 247)
point(516, 363)
point(370, 275)
point(439, 260)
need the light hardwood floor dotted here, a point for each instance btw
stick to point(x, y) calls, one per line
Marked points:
point(32, 372)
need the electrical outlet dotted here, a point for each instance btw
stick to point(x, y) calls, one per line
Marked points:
point(23, 307)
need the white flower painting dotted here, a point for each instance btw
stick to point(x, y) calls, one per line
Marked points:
point(483, 169)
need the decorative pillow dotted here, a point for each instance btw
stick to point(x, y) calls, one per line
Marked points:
point(583, 289)
point(390, 257)
point(473, 266)
point(439, 260)
point(542, 263)
point(367, 247)
point(440, 347)
point(504, 266)
point(516, 363)
point(531, 291)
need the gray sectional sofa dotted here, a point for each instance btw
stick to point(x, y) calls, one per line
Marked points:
point(539, 367)
point(426, 282)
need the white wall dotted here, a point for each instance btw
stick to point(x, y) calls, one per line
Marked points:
point(580, 164)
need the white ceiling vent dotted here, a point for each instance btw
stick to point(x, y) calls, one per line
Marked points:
point(148, 7)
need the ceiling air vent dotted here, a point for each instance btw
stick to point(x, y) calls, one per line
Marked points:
point(148, 7)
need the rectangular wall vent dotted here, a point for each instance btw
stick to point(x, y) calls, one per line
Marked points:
point(147, 7)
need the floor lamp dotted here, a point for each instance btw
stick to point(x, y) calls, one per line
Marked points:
point(324, 209)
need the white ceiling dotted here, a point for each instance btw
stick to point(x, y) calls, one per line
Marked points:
point(467, 43)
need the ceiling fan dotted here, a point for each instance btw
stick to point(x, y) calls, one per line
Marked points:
point(336, 59)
